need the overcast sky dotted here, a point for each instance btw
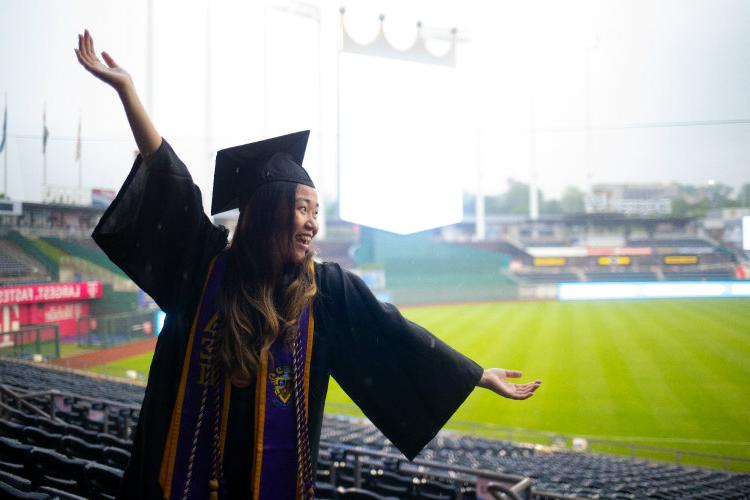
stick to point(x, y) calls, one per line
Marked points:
point(662, 77)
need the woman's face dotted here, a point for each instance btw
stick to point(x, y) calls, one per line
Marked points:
point(305, 222)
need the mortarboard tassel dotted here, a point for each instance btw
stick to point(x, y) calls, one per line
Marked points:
point(213, 486)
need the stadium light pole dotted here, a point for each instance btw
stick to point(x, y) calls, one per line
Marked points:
point(590, 47)
point(5, 148)
point(533, 189)
point(150, 57)
point(208, 122)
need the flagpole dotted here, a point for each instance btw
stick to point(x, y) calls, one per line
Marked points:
point(44, 146)
point(80, 161)
point(5, 137)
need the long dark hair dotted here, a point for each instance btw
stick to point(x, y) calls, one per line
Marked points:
point(263, 294)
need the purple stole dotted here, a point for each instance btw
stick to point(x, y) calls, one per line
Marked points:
point(194, 450)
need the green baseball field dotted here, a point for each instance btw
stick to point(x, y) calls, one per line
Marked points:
point(667, 373)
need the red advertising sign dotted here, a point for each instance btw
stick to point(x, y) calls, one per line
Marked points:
point(10, 318)
point(51, 292)
point(65, 315)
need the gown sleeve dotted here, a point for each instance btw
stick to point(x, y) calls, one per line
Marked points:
point(404, 379)
point(156, 231)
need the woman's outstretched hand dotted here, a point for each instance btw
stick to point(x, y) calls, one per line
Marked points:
point(496, 380)
point(111, 74)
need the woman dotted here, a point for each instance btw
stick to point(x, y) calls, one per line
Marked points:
point(234, 402)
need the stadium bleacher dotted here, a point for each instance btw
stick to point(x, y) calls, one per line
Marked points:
point(610, 276)
point(540, 277)
point(12, 268)
point(73, 455)
point(86, 250)
point(685, 241)
point(707, 275)
point(643, 260)
point(16, 266)
point(25, 248)
point(337, 251)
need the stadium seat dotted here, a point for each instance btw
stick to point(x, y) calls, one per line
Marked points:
point(103, 482)
point(11, 430)
point(11, 493)
point(86, 435)
point(435, 491)
point(324, 491)
point(40, 438)
point(75, 447)
point(50, 425)
point(14, 480)
point(115, 457)
point(69, 417)
point(14, 455)
point(389, 490)
point(360, 494)
point(389, 483)
point(322, 475)
point(92, 425)
point(59, 494)
point(17, 416)
point(468, 493)
point(58, 471)
point(109, 440)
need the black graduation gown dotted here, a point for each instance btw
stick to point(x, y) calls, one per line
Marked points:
point(404, 379)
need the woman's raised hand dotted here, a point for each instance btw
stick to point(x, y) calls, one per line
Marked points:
point(144, 132)
point(496, 380)
point(111, 74)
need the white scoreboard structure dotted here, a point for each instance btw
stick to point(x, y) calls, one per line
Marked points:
point(403, 135)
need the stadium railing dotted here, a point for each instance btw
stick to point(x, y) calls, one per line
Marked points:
point(114, 329)
point(41, 339)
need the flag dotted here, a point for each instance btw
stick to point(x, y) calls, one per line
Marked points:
point(5, 127)
point(45, 130)
point(78, 142)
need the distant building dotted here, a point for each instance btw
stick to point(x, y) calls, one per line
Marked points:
point(631, 199)
point(48, 219)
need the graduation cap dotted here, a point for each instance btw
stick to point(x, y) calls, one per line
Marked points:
point(241, 170)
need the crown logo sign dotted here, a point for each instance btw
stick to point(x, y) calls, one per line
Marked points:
point(381, 47)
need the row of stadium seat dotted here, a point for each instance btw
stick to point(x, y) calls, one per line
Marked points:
point(38, 378)
point(85, 249)
point(28, 247)
point(554, 471)
point(12, 268)
point(27, 469)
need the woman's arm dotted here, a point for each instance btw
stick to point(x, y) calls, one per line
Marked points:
point(144, 132)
